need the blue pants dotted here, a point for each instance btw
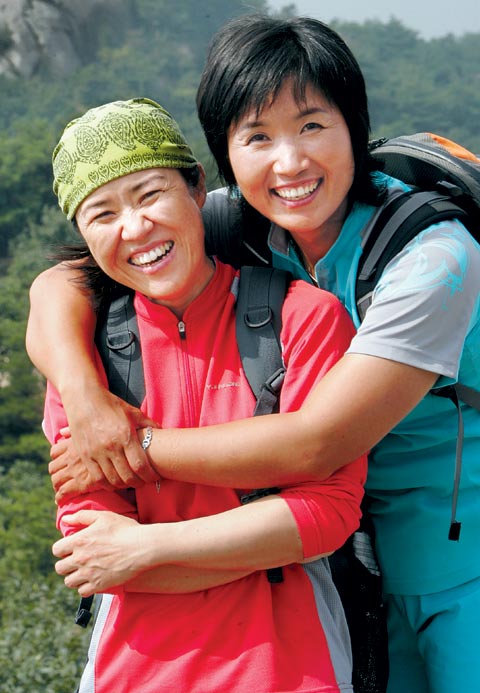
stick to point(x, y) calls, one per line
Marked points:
point(434, 641)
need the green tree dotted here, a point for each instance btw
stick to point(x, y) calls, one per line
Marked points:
point(41, 649)
point(25, 174)
point(21, 388)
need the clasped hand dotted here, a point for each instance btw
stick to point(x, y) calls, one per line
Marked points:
point(104, 554)
point(101, 450)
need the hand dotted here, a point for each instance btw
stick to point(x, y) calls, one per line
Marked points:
point(104, 554)
point(70, 475)
point(104, 432)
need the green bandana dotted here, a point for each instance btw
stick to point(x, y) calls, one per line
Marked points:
point(112, 141)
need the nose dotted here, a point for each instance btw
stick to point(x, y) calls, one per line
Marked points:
point(135, 224)
point(290, 158)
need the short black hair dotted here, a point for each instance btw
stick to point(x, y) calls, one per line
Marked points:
point(249, 60)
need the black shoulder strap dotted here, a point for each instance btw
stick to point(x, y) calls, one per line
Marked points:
point(260, 299)
point(118, 343)
point(258, 324)
point(402, 216)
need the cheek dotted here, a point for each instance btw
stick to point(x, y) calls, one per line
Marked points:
point(243, 166)
point(102, 254)
point(343, 166)
point(249, 176)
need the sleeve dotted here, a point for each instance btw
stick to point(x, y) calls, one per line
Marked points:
point(122, 502)
point(327, 513)
point(423, 306)
point(316, 333)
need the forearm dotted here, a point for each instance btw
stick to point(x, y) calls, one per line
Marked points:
point(236, 454)
point(112, 550)
point(60, 330)
point(257, 536)
point(353, 407)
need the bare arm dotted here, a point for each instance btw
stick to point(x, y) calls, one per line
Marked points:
point(60, 343)
point(350, 410)
point(60, 327)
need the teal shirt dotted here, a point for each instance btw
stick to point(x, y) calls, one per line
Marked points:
point(410, 480)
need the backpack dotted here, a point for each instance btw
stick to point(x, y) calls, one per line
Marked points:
point(445, 180)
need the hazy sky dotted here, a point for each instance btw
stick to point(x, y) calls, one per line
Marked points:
point(429, 18)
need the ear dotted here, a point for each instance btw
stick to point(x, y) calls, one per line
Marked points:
point(200, 190)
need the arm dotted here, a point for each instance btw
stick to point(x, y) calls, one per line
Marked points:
point(365, 394)
point(355, 405)
point(302, 524)
point(359, 401)
point(352, 407)
point(163, 579)
point(260, 535)
point(59, 341)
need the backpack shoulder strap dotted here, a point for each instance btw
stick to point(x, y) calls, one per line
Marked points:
point(402, 216)
point(468, 395)
point(118, 342)
point(258, 324)
point(261, 294)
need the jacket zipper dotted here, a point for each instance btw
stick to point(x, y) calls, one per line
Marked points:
point(191, 407)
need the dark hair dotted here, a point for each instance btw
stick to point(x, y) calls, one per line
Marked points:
point(248, 61)
point(97, 285)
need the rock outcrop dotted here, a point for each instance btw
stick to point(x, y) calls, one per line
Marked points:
point(50, 35)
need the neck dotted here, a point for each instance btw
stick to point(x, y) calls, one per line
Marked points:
point(311, 252)
point(315, 244)
point(179, 305)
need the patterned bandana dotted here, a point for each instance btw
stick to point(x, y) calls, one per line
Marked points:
point(112, 141)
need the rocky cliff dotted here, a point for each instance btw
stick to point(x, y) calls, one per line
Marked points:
point(55, 36)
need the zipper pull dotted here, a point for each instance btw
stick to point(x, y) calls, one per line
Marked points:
point(182, 330)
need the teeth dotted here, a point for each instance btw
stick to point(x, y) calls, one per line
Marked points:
point(297, 193)
point(152, 255)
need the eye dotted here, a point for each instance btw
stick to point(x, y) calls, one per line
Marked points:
point(99, 217)
point(312, 126)
point(152, 194)
point(257, 137)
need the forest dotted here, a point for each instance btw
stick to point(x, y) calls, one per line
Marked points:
point(413, 85)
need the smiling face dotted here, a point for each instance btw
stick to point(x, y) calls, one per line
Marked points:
point(293, 162)
point(145, 231)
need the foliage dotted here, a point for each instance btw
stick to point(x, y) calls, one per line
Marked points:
point(40, 647)
point(416, 85)
point(26, 176)
point(21, 388)
point(413, 85)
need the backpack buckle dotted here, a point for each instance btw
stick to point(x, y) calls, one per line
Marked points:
point(274, 383)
